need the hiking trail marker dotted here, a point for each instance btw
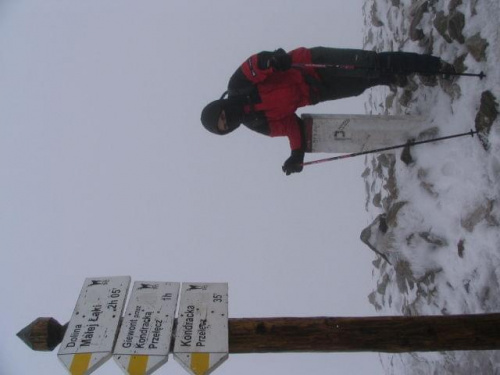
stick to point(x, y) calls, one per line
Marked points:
point(202, 338)
point(143, 343)
point(91, 333)
point(205, 335)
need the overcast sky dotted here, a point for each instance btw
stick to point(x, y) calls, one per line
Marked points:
point(106, 170)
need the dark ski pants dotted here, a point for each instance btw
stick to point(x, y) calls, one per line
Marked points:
point(370, 69)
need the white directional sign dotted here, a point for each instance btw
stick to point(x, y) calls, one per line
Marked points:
point(201, 340)
point(144, 340)
point(91, 333)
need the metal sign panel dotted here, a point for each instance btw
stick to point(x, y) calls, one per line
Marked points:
point(91, 332)
point(201, 340)
point(356, 133)
point(144, 340)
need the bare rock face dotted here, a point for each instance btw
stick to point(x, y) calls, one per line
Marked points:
point(459, 63)
point(441, 25)
point(486, 116)
point(432, 240)
point(450, 26)
point(473, 4)
point(375, 18)
point(476, 46)
point(483, 212)
point(379, 236)
point(456, 23)
point(450, 87)
point(428, 134)
point(376, 237)
point(416, 17)
point(392, 214)
point(406, 156)
point(452, 6)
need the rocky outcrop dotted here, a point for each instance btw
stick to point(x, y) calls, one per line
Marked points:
point(375, 236)
point(476, 46)
point(481, 213)
point(450, 26)
point(486, 116)
point(433, 238)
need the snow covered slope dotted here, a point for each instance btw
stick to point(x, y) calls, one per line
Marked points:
point(437, 215)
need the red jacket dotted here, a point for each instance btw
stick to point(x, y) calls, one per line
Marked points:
point(275, 95)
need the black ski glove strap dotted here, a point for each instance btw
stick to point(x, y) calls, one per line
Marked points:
point(294, 163)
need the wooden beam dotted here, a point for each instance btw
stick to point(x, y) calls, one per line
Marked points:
point(390, 334)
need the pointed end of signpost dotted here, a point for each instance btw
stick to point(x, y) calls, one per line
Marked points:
point(24, 335)
point(43, 334)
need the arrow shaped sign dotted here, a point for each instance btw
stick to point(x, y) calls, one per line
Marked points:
point(91, 332)
point(144, 340)
point(201, 341)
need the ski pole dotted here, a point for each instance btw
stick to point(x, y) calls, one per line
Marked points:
point(480, 75)
point(409, 143)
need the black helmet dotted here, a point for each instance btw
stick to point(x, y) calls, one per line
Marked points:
point(211, 113)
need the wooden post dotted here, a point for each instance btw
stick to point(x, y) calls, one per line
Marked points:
point(390, 334)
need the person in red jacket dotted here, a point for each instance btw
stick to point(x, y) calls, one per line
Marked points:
point(267, 89)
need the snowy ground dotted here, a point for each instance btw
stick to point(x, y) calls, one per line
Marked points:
point(443, 214)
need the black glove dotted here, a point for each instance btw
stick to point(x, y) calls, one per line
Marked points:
point(294, 163)
point(280, 60)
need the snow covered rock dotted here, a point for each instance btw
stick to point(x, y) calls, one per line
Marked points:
point(486, 116)
point(435, 229)
point(375, 236)
point(477, 46)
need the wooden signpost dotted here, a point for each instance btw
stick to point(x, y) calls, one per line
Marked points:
point(201, 341)
point(91, 332)
point(205, 336)
point(143, 343)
